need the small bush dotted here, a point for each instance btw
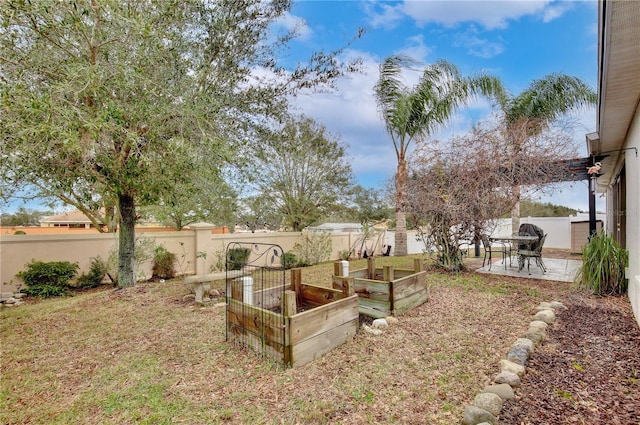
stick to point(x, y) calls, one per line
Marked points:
point(290, 261)
point(163, 263)
point(603, 264)
point(315, 248)
point(19, 232)
point(97, 272)
point(48, 279)
point(237, 258)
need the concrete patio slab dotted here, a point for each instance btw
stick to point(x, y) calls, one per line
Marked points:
point(557, 270)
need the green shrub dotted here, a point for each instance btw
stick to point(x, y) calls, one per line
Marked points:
point(290, 261)
point(315, 248)
point(603, 264)
point(97, 272)
point(19, 232)
point(48, 279)
point(163, 263)
point(237, 258)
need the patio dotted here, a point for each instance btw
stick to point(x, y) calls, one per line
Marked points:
point(560, 270)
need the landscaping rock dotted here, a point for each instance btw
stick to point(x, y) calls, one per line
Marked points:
point(535, 336)
point(547, 316)
point(371, 331)
point(519, 354)
point(504, 391)
point(538, 325)
point(391, 320)
point(509, 366)
point(474, 415)
point(214, 293)
point(520, 351)
point(557, 305)
point(508, 378)
point(490, 402)
point(380, 324)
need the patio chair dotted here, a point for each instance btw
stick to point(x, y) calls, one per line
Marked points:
point(534, 252)
point(491, 247)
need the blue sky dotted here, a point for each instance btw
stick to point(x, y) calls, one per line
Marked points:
point(518, 41)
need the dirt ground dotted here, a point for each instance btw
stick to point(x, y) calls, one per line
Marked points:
point(586, 372)
point(588, 369)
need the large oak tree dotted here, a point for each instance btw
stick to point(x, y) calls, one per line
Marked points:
point(111, 103)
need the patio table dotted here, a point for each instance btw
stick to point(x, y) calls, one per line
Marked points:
point(528, 240)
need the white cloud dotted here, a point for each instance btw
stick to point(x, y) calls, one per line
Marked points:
point(416, 48)
point(297, 25)
point(351, 113)
point(477, 46)
point(489, 14)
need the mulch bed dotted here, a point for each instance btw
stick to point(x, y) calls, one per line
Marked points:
point(586, 372)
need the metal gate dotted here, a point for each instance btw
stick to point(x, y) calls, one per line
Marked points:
point(255, 289)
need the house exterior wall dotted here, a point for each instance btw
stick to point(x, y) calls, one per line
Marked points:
point(632, 170)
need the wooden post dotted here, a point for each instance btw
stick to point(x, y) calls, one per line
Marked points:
point(417, 265)
point(289, 306)
point(296, 282)
point(348, 286)
point(237, 290)
point(387, 273)
point(337, 268)
point(371, 268)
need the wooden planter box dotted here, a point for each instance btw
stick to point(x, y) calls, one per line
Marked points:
point(386, 291)
point(294, 324)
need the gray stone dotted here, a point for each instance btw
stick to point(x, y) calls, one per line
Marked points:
point(10, 301)
point(222, 304)
point(519, 354)
point(490, 402)
point(214, 293)
point(380, 324)
point(188, 297)
point(520, 351)
point(509, 366)
point(547, 316)
point(19, 295)
point(474, 415)
point(508, 378)
point(504, 391)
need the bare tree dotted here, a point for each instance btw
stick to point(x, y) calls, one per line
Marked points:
point(458, 188)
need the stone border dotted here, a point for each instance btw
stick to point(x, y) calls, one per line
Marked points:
point(488, 404)
point(11, 299)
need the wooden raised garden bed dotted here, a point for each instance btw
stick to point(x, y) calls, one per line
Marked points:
point(292, 324)
point(386, 291)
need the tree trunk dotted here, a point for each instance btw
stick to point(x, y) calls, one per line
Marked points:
point(127, 241)
point(401, 202)
point(515, 211)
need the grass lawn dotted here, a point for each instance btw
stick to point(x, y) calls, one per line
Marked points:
point(142, 355)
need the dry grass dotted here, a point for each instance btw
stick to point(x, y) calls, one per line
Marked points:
point(142, 355)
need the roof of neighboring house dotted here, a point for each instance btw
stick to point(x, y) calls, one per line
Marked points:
point(69, 217)
point(337, 227)
point(618, 80)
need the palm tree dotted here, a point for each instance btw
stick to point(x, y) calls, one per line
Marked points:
point(532, 111)
point(412, 113)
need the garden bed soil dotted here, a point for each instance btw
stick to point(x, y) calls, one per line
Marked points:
point(586, 372)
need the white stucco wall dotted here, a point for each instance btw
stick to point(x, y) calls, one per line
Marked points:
point(632, 170)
